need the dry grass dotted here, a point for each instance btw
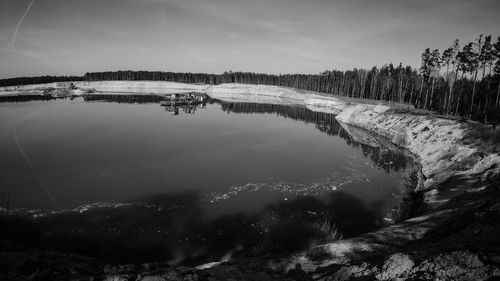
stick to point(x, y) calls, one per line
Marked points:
point(486, 138)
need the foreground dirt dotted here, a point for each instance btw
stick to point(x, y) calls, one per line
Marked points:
point(458, 241)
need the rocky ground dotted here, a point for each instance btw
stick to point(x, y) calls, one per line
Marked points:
point(453, 237)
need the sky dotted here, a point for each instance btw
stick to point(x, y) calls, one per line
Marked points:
point(71, 37)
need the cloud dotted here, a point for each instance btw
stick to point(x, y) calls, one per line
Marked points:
point(75, 36)
point(21, 22)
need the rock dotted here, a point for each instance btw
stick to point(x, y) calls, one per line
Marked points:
point(120, 269)
point(119, 278)
point(354, 271)
point(459, 265)
point(397, 265)
point(167, 276)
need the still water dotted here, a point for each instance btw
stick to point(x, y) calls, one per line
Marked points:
point(142, 182)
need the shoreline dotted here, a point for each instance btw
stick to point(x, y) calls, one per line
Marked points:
point(432, 139)
point(451, 169)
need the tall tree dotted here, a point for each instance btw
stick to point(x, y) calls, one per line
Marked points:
point(486, 54)
point(463, 66)
point(435, 64)
point(449, 58)
point(446, 60)
point(496, 54)
point(473, 52)
point(400, 82)
point(425, 70)
point(485, 59)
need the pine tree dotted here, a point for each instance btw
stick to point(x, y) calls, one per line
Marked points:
point(449, 58)
point(463, 66)
point(486, 58)
point(496, 55)
point(425, 70)
point(473, 53)
point(435, 63)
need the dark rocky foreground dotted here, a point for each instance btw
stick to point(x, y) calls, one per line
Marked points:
point(43, 265)
point(457, 241)
point(457, 265)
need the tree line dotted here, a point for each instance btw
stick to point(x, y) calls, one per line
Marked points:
point(453, 77)
point(460, 81)
point(37, 80)
point(463, 81)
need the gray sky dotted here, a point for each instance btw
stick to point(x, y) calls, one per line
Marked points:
point(67, 37)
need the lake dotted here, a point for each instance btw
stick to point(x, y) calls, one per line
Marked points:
point(131, 180)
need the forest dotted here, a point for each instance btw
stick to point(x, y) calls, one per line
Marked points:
point(461, 81)
point(37, 80)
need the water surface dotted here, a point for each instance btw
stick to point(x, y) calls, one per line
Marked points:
point(191, 180)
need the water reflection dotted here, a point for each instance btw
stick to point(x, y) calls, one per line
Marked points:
point(387, 158)
point(124, 98)
point(172, 227)
point(25, 98)
point(175, 226)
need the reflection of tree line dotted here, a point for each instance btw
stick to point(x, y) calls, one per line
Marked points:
point(92, 97)
point(385, 158)
point(124, 98)
point(141, 99)
point(25, 98)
